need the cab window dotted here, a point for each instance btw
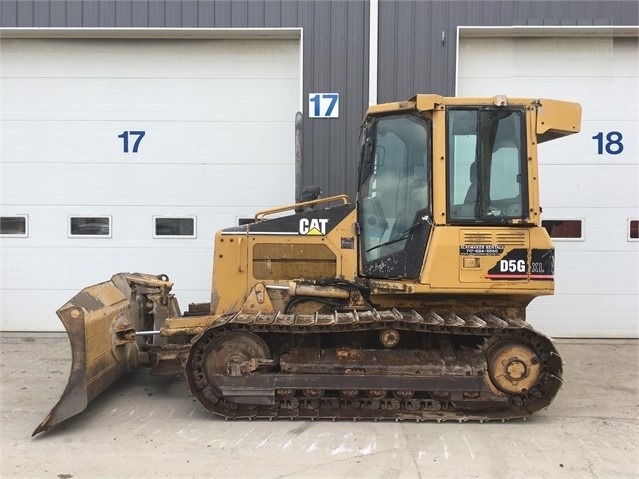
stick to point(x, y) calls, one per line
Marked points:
point(394, 182)
point(486, 164)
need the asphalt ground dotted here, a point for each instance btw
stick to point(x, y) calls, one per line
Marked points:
point(150, 427)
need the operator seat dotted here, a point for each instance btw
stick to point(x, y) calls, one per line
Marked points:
point(471, 194)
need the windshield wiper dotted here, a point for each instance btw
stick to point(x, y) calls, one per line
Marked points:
point(397, 239)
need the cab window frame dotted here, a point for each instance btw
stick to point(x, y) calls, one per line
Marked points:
point(458, 213)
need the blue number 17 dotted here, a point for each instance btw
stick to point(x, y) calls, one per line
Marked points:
point(316, 100)
point(125, 140)
point(333, 97)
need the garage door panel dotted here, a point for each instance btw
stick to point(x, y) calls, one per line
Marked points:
point(80, 185)
point(215, 124)
point(245, 142)
point(588, 57)
point(591, 274)
point(473, 53)
point(48, 225)
point(14, 316)
point(606, 100)
point(584, 317)
point(588, 186)
point(528, 58)
point(186, 58)
point(66, 99)
point(603, 233)
point(72, 265)
point(583, 149)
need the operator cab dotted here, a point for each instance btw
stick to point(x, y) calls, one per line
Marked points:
point(486, 180)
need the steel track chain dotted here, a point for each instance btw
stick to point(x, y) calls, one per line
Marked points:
point(486, 325)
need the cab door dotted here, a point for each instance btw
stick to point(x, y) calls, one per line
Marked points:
point(395, 196)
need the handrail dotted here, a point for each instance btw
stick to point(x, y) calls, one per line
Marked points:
point(261, 214)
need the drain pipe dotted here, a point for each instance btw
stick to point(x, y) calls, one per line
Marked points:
point(373, 35)
point(299, 164)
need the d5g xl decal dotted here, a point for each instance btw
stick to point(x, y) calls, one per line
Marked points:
point(515, 265)
point(542, 264)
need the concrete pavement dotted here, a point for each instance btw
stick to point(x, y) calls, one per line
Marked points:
point(149, 427)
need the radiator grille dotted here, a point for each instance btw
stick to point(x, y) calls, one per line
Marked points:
point(516, 238)
point(512, 238)
point(477, 237)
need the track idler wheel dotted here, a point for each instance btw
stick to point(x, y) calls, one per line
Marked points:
point(214, 354)
point(232, 348)
point(514, 368)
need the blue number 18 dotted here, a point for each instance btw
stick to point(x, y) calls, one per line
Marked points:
point(613, 145)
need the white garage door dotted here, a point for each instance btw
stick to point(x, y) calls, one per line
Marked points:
point(127, 155)
point(589, 181)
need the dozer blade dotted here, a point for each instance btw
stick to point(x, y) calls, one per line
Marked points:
point(102, 321)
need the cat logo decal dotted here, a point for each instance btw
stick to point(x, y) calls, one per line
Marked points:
point(313, 226)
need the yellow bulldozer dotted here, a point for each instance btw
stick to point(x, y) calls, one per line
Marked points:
point(408, 304)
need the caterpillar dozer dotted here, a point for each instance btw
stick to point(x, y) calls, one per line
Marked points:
point(408, 304)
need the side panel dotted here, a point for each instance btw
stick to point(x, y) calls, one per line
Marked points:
point(498, 259)
point(316, 244)
point(279, 261)
point(229, 286)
